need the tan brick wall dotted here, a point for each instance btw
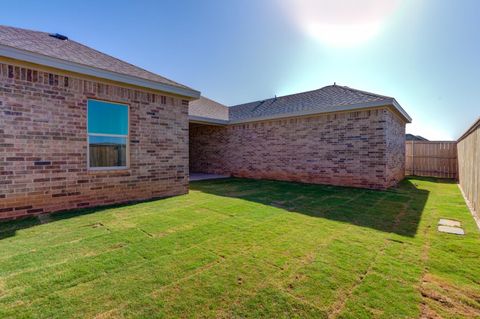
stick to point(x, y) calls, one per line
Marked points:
point(347, 149)
point(208, 148)
point(395, 137)
point(43, 144)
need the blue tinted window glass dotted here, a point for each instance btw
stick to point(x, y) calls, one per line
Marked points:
point(107, 140)
point(107, 118)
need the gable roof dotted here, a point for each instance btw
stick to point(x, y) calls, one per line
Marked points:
point(333, 98)
point(41, 48)
point(206, 110)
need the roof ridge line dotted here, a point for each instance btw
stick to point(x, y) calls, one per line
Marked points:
point(24, 29)
point(365, 92)
point(332, 98)
point(281, 96)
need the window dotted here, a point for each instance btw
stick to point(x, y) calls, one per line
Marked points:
point(107, 135)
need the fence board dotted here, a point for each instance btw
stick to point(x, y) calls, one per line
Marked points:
point(469, 164)
point(435, 159)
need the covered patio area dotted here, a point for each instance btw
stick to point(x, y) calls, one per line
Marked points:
point(208, 152)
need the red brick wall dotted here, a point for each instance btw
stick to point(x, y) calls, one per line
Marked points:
point(208, 149)
point(43, 144)
point(347, 149)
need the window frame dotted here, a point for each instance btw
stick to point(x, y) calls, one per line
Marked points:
point(127, 142)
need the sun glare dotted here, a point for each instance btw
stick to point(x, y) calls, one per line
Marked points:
point(340, 23)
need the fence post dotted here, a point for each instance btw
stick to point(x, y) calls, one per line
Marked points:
point(413, 157)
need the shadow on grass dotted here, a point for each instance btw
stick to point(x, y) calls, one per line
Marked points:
point(397, 210)
point(9, 228)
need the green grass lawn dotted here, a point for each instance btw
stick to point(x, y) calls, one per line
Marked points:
point(240, 248)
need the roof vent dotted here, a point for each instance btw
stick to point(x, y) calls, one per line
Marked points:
point(58, 36)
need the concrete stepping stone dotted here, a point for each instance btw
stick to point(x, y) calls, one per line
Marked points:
point(449, 222)
point(451, 230)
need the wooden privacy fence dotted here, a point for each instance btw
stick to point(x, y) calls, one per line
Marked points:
point(469, 164)
point(435, 159)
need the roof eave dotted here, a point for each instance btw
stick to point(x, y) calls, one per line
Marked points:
point(41, 59)
point(351, 107)
point(401, 110)
point(207, 120)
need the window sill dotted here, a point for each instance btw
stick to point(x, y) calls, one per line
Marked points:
point(97, 170)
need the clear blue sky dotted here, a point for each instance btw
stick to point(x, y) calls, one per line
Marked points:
point(425, 53)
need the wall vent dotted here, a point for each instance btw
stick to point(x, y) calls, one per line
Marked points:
point(58, 36)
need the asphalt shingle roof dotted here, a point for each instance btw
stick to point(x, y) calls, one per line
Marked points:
point(206, 108)
point(327, 99)
point(71, 51)
point(411, 137)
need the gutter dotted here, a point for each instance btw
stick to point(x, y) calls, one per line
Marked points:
point(206, 120)
point(401, 110)
point(41, 59)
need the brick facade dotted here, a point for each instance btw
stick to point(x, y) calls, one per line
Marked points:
point(361, 149)
point(395, 139)
point(43, 143)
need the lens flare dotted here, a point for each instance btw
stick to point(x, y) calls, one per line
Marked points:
point(340, 23)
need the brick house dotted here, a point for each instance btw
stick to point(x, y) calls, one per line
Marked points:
point(334, 135)
point(79, 128)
